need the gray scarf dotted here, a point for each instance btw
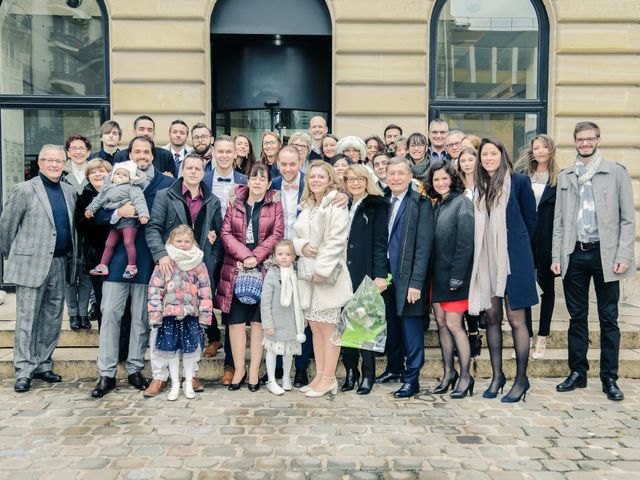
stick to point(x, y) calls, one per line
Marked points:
point(587, 222)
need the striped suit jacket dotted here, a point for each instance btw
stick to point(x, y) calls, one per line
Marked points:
point(27, 232)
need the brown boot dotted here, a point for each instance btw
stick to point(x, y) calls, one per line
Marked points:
point(227, 376)
point(212, 349)
point(197, 385)
point(156, 387)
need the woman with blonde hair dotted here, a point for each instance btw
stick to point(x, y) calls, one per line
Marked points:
point(366, 256)
point(302, 142)
point(537, 161)
point(320, 238)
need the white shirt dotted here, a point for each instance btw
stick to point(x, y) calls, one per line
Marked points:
point(222, 190)
point(289, 199)
point(183, 153)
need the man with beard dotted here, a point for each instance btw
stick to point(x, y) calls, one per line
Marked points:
point(202, 140)
point(162, 159)
point(177, 146)
point(593, 237)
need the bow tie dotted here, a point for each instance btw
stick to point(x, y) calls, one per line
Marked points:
point(290, 186)
point(220, 179)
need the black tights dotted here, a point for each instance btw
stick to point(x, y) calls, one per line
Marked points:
point(520, 341)
point(451, 331)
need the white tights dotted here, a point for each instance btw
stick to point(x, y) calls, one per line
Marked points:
point(270, 360)
point(189, 364)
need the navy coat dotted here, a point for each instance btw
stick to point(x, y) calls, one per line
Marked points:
point(521, 227)
point(367, 247)
point(238, 178)
point(410, 246)
point(543, 237)
point(144, 260)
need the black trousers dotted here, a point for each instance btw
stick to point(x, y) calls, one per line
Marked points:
point(582, 267)
point(546, 280)
point(350, 358)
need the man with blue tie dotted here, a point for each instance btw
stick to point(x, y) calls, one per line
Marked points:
point(410, 244)
point(177, 146)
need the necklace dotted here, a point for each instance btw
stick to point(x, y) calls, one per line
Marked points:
point(540, 177)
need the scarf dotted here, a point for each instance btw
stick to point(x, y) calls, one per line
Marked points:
point(185, 259)
point(78, 172)
point(587, 222)
point(490, 257)
point(419, 170)
point(289, 293)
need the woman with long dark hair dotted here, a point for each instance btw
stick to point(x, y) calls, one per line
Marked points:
point(451, 271)
point(538, 163)
point(505, 221)
point(374, 144)
point(245, 156)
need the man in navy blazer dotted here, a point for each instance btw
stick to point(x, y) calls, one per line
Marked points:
point(410, 245)
point(162, 159)
point(116, 290)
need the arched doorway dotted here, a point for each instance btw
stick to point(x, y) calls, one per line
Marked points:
point(270, 66)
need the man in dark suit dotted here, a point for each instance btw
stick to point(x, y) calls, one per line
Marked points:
point(36, 238)
point(162, 160)
point(117, 290)
point(110, 137)
point(380, 162)
point(187, 202)
point(410, 245)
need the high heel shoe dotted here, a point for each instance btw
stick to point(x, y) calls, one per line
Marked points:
point(236, 386)
point(489, 394)
point(333, 388)
point(522, 396)
point(444, 388)
point(463, 393)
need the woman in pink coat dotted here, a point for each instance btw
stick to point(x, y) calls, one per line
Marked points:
point(252, 226)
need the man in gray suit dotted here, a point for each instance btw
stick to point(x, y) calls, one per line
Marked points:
point(36, 238)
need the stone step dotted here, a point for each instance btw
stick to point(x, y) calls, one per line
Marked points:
point(75, 363)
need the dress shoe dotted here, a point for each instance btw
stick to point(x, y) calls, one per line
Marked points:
point(22, 385)
point(156, 387)
point(523, 396)
point(48, 377)
point(301, 378)
point(274, 388)
point(351, 380)
point(407, 390)
point(366, 386)
point(197, 385)
point(85, 324)
point(333, 388)
point(265, 378)
point(227, 375)
point(137, 380)
point(444, 387)
point(573, 381)
point(610, 387)
point(211, 350)
point(456, 394)
point(104, 386)
point(386, 377)
point(488, 393)
point(75, 323)
point(253, 387)
point(236, 386)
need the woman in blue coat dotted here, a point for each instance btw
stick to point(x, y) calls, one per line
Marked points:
point(505, 221)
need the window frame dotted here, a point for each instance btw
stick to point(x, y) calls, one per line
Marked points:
point(439, 106)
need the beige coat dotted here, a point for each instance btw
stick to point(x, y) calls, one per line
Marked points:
point(329, 232)
point(615, 213)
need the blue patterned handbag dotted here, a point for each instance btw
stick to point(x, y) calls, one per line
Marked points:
point(248, 287)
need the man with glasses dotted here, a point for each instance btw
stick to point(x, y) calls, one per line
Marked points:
point(162, 160)
point(438, 130)
point(177, 146)
point(301, 141)
point(453, 144)
point(593, 237)
point(36, 238)
point(202, 140)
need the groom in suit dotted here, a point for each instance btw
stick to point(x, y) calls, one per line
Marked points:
point(37, 238)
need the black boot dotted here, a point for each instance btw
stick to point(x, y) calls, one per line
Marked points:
point(351, 380)
point(75, 323)
point(85, 324)
point(366, 386)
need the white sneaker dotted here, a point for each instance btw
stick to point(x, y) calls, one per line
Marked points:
point(286, 384)
point(187, 388)
point(274, 388)
point(174, 392)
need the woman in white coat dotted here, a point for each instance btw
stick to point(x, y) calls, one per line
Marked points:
point(320, 238)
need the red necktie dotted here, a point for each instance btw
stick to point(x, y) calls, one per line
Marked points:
point(290, 186)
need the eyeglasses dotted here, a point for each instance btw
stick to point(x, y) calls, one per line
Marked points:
point(201, 138)
point(453, 145)
point(439, 132)
point(53, 161)
point(417, 145)
point(77, 149)
point(299, 146)
point(586, 140)
point(356, 179)
point(270, 143)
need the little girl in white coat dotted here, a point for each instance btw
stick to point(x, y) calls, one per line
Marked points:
point(282, 317)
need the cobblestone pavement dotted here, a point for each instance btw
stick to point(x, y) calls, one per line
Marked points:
point(59, 432)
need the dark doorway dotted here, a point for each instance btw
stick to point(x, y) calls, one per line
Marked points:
point(270, 66)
